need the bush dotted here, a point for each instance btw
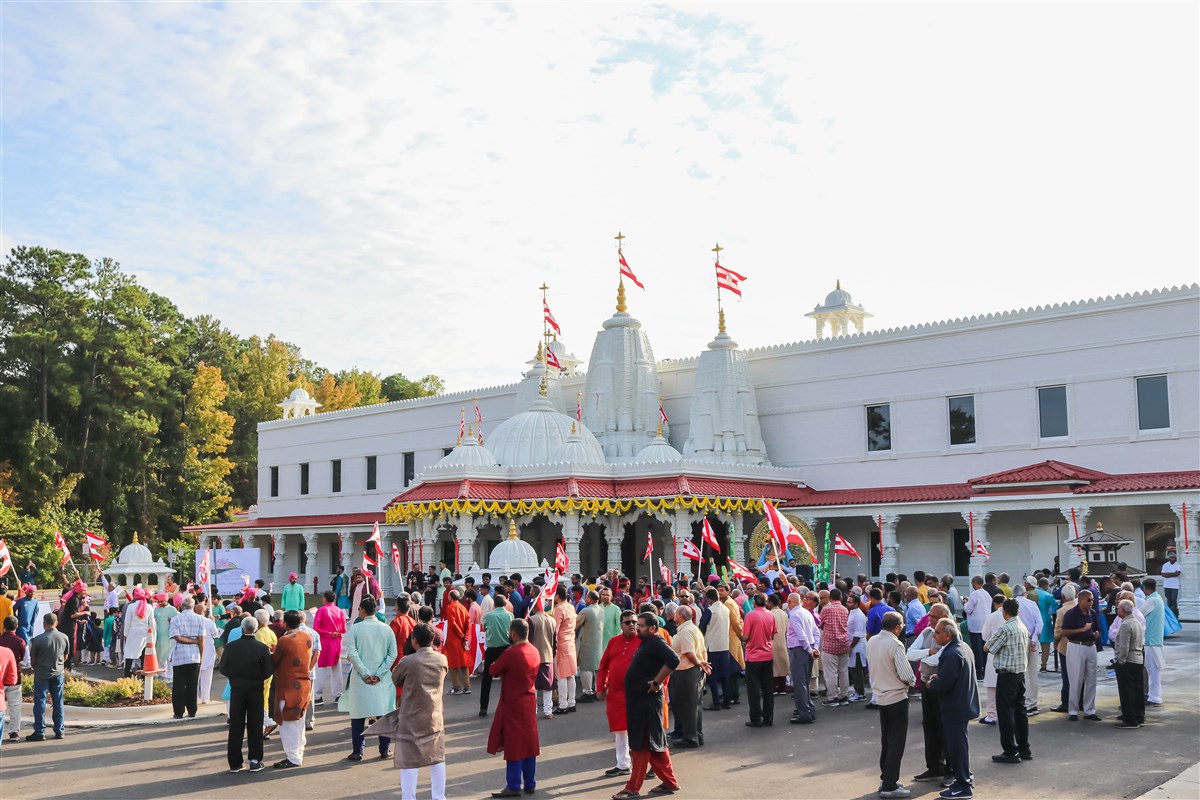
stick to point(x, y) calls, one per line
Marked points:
point(101, 693)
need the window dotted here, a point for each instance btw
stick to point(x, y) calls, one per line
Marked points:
point(879, 428)
point(274, 481)
point(1052, 411)
point(335, 475)
point(447, 451)
point(304, 479)
point(961, 548)
point(1153, 411)
point(962, 419)
point(372, 472)
point(410, 468)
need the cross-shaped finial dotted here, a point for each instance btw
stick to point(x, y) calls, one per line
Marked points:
point(619, 237)
point(718, 249)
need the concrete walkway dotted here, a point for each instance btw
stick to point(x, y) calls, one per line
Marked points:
point(1184, 786)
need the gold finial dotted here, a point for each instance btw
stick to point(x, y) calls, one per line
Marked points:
point(718, 249)
point(721, 320)
point(539, 355)
point(542, 387)
point(572, 427)
point(512, 529)
point(660, 426)
point(620, 237)
point(839, 284)
point(1100, 526)
point(621, 297)
point(470, 432)
point(135, 539)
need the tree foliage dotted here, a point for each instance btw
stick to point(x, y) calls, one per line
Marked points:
point(119, 414)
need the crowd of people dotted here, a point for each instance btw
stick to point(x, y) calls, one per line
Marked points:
point(659, 656)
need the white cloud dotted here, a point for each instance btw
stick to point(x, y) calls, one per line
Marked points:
point(387, 185)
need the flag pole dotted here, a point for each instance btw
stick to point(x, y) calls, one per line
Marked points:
point(720, 311)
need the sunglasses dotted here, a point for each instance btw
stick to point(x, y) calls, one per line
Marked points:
point(629, 622)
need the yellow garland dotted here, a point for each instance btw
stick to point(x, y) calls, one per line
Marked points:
point(406, 512)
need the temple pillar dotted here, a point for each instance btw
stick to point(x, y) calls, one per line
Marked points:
point(1077, 518)
point(310, 561)
point(1188, 549)
point(891, 546)
point(977, 521)
point(346, 542)
point(572, 528)
point(225, 539)
point(277, 573)
point(614, 532)
point(465, 535)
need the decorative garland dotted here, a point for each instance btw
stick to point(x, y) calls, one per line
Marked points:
point(406, 512)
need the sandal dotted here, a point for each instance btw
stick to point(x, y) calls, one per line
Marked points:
point(625, 794)
point(662, 788)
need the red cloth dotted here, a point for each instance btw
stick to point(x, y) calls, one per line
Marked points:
point(645, 759)
point(514, 726)
point(458, 629)
point(402, 626)
point(611, 678)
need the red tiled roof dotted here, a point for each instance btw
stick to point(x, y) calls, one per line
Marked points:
point(453, 490)
point(889, 494)
point(1144, 482)
point(315, 520)
point(1052, 471)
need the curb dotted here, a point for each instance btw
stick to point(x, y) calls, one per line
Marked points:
point(82, 717)
point(1184, 786)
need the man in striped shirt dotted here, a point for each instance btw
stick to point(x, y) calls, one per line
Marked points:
point(1009, 648)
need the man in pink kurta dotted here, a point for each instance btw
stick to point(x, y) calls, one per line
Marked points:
point(330, 624)
point(566, 664)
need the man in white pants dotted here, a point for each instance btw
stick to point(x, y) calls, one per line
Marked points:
point(1152, 610)
point(1081, 626)
point(1031, 617)
point(610, 687)
point(208, 656)
point(419, 738)
point(12, 694)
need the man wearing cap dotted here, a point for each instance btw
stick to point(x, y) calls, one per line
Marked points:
point(1170, 580)
point(293, 594)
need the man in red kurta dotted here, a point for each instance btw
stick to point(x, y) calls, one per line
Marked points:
point(610, 681)
point(514, 727)
point(402, 626)
point(456, 646)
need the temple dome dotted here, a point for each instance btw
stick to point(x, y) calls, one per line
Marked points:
point(468, 453)
point(299, 394)
point(839, 297)
point(513, 554)
point(576, 451)
point(135, 553)
point(659, 450)
point(535, 436)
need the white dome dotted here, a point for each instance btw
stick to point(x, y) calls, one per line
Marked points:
point(659, 450)
point(533, 437)
point(575, 451)
point(839, 297)
point(299, 395)
point(135, 554)
point(513, 554)
point(469, 453)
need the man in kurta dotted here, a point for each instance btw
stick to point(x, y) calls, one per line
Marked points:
point(330, 624)
point(565, 662)
point(164, 612)
point(733, 683)
point(294, 658)
point(612, 615)
point(652, 664)
point(456, 646)
point(420, 733)
point(589, 641)
point(542, 637)
point(139, 628)
point(293, 594)
point(362, 584)
point(610, 687)
point(371, 649)
point(514, 726)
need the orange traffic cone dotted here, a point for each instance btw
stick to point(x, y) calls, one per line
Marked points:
point(149, 659)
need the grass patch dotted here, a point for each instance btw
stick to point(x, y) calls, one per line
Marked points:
point(102, 694)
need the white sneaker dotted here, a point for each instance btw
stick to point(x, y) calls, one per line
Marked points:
point(857, 698)
point(899, 791)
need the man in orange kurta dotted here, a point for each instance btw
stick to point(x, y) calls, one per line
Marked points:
point(294, 658)
point(402, 626)
point(456, 646)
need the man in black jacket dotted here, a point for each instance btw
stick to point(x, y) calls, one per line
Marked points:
point(958, 704)
point(247, 664)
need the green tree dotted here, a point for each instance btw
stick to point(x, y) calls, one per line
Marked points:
point(207, 434)
point(398, 387)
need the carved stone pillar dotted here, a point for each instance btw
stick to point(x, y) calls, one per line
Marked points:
point(1077, 525)
point(310, 560)
point(681, 531)
point(346, 538)
point(977, 521)
point(614, 532)
point(1189, 562)
point(277, 573)
point(891, 546)
point(225, 539)
point(466, 534)
point(572, 536)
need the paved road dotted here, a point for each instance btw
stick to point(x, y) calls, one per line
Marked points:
point(836, 758)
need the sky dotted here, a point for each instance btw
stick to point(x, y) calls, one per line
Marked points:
point(387, 185)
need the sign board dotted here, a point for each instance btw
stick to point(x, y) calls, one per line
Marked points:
point(230, 566)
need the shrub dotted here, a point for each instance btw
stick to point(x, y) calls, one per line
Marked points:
point(101, 693)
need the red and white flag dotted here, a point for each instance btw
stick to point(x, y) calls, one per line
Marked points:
point(96, 546)
point(729, 280)
point(562, 562)
point(478, 421)
point(396, 560)
point(549, 317)
point(783, 532)
point(662, 415)
point(6, 565)
point(844, 548)
point(61, 544)
point(980, 550)
point(709, 536)
point(649, 546)
point(462, 424)
point(579, 407)
point(552, 359)
point(626, 271)
point(204, 568)
point(662, 570)
point(690, 551)
point(740, 572)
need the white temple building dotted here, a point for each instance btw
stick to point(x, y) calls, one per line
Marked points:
point(1020, 429)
